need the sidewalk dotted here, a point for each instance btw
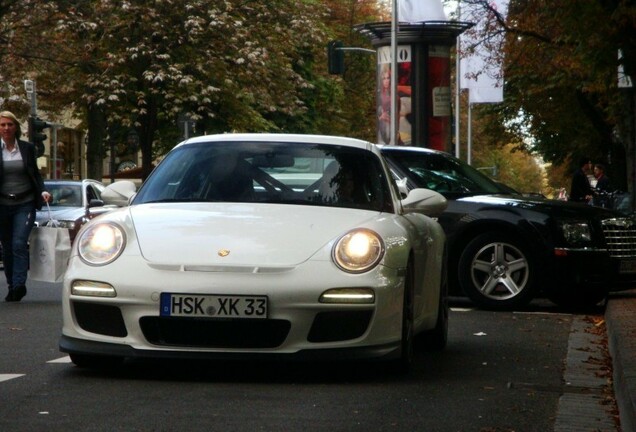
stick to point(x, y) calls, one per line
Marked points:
point(620, 318)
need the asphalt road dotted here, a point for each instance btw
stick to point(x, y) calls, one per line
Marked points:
point(500, 372)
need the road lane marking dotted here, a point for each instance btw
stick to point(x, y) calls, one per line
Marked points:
point(65, 359)
point(7, 377)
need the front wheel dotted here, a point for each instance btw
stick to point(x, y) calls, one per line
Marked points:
point(436, 339)
point(497, 271)
point(578, 298)
point(407, 355)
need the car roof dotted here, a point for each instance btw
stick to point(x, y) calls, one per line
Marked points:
point(287, 138)
point(390, 148)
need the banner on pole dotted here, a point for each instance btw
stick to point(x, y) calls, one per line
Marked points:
point(414, 11)
point(480, 62)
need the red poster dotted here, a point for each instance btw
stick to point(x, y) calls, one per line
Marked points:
point(439, 102)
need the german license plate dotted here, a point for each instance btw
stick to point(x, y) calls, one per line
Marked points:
point(627, 266)
point(218, 306)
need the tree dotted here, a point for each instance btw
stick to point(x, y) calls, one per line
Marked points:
point(230, 66)
point(351, 104)
point(560, 77)
point(500, 155)
point(24, 52)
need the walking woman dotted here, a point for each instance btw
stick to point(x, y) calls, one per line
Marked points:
point(21, 193)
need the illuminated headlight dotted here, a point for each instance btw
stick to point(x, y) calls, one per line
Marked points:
point(576, 232)
point(101, 244)
point(358, 251)
point(92, 289)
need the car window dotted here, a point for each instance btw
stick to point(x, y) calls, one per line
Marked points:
point(65, 195)
point(91, 193)
point(285, 173)
point(98, 188)
point(441, 173)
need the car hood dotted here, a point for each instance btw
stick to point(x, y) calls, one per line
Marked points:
point(59, 213)
point(541, 205)
point(238, 234)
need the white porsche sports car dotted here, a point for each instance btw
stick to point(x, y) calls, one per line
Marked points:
point(243, 245)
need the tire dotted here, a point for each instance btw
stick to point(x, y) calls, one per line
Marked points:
point(578, 298)
point(436, 339)
point(96, 361)
point(497, 271)
point(407, 344)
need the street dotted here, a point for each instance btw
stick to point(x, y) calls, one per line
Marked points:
point(500, 372)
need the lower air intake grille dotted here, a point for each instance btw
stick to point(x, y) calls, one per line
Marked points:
point(207, 333)
point(101, 319)
point(339, 325)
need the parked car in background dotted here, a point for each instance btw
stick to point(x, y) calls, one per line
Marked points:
point(73, 203)
point(270, 245)
point(506, 248)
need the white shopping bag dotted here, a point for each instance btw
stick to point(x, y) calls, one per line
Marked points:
point(49, 251)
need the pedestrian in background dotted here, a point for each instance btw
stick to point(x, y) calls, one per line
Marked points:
point(21, 193)
point(602, 181)
point(581, 190)
point(602, 190)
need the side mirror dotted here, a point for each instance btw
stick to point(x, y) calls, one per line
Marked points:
point(424, 201)
point(95, 203)
point(119, 193)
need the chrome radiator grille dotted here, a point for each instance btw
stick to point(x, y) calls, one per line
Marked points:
point(620, 235)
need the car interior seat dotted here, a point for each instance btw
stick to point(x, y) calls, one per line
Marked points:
point(230, 180)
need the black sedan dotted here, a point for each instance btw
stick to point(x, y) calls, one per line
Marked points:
point(73, 203)
point(505, 248)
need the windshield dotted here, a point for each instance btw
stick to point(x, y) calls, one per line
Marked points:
point(65, 195)
point(442, 173)
point(265, 172)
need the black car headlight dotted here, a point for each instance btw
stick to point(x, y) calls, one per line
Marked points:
point(101, 243)
point(358, 251)
point(576, 233)
point(69, 224)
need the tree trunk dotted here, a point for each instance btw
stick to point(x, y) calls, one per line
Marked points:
point(630, 119)
point(627, 134)
point(95, 146)
point(148, 127)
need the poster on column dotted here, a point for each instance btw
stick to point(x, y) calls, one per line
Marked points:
point(439, 120)
point(404, 87)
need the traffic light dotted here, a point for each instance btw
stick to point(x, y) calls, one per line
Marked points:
point(36, 133)
point(335, 57)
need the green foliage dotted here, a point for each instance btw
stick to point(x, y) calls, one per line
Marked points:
point(561, 98)
point(229, 65)
point(560, 73)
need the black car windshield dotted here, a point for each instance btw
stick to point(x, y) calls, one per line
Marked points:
point(65, 195)
point(267, 172)
point(441, 173)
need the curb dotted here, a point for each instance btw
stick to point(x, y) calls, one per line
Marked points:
point(620, 318)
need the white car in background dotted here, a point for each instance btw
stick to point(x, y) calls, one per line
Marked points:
point(244, 245)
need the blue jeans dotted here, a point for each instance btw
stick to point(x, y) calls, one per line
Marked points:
point(16, 222)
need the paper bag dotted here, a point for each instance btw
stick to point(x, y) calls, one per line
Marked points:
point(49, 251)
